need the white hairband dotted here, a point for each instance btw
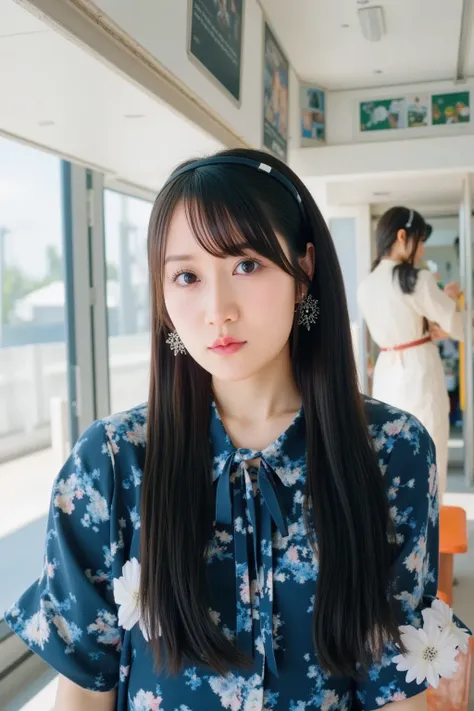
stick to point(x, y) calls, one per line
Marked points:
point(410, 220)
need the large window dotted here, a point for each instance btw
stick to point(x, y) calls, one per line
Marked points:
point(126, 224)
point(33, 370)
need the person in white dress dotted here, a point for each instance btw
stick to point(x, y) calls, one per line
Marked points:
point(398, 302)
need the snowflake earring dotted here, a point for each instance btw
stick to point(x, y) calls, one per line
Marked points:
point(309, 312)
point(176, 344)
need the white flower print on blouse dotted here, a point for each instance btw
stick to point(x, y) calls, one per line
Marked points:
point(442, 614)
point(127, 595)
point(432, 649)
point(37, 630)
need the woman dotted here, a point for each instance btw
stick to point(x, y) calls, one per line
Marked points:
point(230, 545)
point(398, 301)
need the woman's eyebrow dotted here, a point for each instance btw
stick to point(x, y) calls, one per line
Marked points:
point(178, 258)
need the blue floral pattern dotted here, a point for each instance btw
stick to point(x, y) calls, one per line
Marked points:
point(262, 570)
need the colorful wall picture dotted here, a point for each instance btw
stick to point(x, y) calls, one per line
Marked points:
point(215, 40)
point(383, 115)
point(451, 108)
point(312, 115)
point(275, 97)
point(418, 107)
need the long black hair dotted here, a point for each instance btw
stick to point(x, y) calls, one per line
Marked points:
point(346, 504)
point(391, 222)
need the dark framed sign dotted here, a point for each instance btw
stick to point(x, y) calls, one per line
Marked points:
point(215, 40)
point(275, 96)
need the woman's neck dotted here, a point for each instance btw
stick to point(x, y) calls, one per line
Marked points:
point(392, 258)
point(267, 395)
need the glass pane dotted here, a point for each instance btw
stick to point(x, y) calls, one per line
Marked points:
point(126, 226)
point(33, 368)
point(343, 232)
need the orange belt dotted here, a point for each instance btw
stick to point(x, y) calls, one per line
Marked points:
point(413, 344)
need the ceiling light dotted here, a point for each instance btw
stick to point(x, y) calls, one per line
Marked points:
point(371, 23)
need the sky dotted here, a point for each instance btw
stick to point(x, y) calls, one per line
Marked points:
point(30, 208)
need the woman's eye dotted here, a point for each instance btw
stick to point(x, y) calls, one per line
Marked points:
point(184, 278)
point(249, 266)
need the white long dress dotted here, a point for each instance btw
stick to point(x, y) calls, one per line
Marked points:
point(411, 379)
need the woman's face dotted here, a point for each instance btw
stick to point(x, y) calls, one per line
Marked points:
point(210, 300)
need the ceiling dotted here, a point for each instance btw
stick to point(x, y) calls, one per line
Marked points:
point(62, 98)
point(421, 41)
point(59, 96)
point(433, 194)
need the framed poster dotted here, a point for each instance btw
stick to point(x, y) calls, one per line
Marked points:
point(450, 108)
point(418, 110)
point(215, 40)
point(383, 115)
point(275, 96)
point(312, 115)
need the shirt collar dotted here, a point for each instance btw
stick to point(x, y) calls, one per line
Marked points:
point(286, 455)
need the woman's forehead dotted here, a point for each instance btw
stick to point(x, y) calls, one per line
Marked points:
point(192, 230)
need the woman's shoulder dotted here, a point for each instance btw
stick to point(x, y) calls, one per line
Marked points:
point(366, 282)
point(390, 428)
point(126, 430)
point(114, 446)
point(424, 279)
point(407, 460)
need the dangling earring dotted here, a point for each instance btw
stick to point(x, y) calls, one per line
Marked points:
point(309, 312)
point(176, 344)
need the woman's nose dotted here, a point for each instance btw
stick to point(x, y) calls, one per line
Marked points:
point(221, 306)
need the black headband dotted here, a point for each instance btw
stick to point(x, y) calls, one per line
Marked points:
point(240, 160)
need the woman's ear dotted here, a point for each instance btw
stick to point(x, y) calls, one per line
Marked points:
point(402, 237)
point(307, 263)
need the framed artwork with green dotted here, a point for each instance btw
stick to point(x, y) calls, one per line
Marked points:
point(418, 107)
point(383, 115)
point(450, 108)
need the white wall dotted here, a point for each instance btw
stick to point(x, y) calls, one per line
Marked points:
point(160, 27)
point(447, 153)
point(349, 152)
point(343, 113)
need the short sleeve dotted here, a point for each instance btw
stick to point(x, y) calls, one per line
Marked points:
point(412, 482)
point(68, 616)
point(432, 303)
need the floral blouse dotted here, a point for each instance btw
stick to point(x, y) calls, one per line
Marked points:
point(81, 616)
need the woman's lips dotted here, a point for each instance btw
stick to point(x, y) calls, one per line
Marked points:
point(227, 346)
